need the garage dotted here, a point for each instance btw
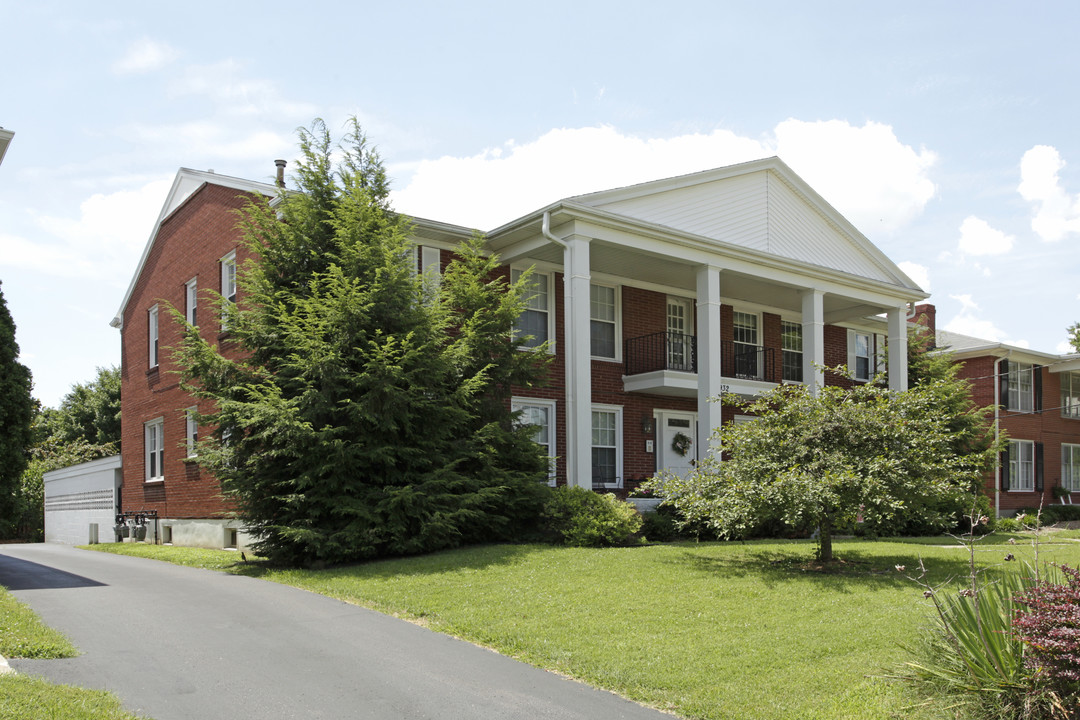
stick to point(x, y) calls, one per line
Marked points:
point(82, 501)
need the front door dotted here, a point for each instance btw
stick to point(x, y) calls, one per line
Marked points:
point(677, 436)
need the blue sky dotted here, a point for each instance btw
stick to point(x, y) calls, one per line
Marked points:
point(945, 131)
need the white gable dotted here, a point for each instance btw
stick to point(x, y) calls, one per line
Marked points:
point(762, 208)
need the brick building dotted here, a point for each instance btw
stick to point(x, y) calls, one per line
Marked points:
point(656, 298)
point(1036, 400)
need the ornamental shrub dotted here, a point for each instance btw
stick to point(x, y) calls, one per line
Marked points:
point(582, 518)
point(1047, 621)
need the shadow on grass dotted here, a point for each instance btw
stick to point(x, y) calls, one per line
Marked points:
point(859, 565)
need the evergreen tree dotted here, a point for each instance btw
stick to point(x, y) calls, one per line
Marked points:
point(16, 413)
point(369, 413)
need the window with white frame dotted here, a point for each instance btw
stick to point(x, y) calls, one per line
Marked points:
point(791, 351)
point(152, 336)
point(747, 351)
point(1021, 465)
point(191, 299)
point(154, 446)
point(533, 326)
point(1070, 394)
point(603, 314)
point(191, 431)
point(1021, 387)
point(606, 443)
point(1070, 466)
point(540, 415)
point(228, 282)
point(860, 354)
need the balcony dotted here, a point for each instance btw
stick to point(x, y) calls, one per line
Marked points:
point(665, 363)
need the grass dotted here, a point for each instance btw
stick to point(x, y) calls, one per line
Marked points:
point(714, 630)
point(23, 635)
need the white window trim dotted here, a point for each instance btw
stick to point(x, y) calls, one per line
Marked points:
point(518, 403)
point(191, 431)
point(879, 363)
point(1015, 462)
point(154, 430)
point(153, 336)
point(618, 410)
point(191, 299)
point(1072, 392)
point(1017, 369)
point(618, 322)
point(548, 279)
point(802, 346)
point(852, 359)
point(228, 283)
point(1070, 452)
point(759, 331)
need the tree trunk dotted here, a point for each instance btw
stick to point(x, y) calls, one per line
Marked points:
point(825, 542)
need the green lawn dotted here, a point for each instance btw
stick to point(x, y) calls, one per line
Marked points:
point(23, 635)
point(710, 630)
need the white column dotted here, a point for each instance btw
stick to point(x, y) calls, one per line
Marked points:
point(709, 371)
point(578, 358)
point(898, 348)
point(813, 339)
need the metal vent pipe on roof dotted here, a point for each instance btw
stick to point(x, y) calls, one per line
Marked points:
point(280, 172)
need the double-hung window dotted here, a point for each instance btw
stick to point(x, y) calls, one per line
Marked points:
point(603, 314)
point(228, 284)
point(191, 300)
point(152, 336)
point(791, 351)
point(154, 444)
point(1021, 466)
point(533, 326)
point(1070, 395)
point(539, 415)
point(1070, 467)
point(606, 442)
point(192, 431)
point(1021, 387)
point(745, 334)
point(860, 353)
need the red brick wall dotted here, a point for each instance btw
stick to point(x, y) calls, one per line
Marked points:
point(189, 245)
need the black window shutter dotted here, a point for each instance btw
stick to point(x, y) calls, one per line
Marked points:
point(1039, 466)
point(1003, 383)
point(1036, 376)
point(1004, 461)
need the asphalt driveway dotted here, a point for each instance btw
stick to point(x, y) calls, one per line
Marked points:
point(178, 643)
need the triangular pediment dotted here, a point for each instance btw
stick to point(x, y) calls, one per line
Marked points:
point(761, 206)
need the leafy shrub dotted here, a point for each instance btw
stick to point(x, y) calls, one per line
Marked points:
point(660, 525)
point(582, 518)
point(1007, 525)
point(1048, 623)
point(1060, 513)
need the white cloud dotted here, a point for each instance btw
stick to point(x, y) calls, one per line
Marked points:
point(101, 243)
point(1064, 348)
point(143, 56)
point(874, 180)
point(977, 237)
point(1056, 212)
point(968, 322)
point(228, 84)
point(919, 273)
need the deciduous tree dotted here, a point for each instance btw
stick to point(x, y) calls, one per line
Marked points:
point(16, 413)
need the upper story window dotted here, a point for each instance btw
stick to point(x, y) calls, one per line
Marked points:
point(152, 336)
point(533, 326)
point(228, 282)
point(1021, 391)
point(747, 351)
point(1070, 395)
point(191, 302)
point(791, 351)
point(603, 314)
point(191, 431)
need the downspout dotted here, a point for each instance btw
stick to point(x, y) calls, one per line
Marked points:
point(997, 432)
point(545, 229)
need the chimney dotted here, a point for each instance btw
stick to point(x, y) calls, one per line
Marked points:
point(280, 172)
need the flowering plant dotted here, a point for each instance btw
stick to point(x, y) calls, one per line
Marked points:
point(643, 492)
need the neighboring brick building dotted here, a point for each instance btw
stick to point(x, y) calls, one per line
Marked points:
point(730, 280)
point(1036, 400)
